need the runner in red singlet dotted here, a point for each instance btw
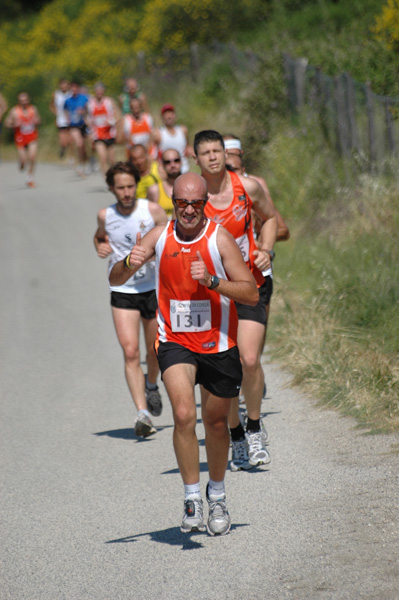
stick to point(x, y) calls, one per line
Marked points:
point(234, 162)
point(199, 272)
point(24, 119)
point(102, 122)
point(232, 198)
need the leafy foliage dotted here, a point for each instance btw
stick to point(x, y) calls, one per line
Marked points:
point(387, 25)
point(177, 23)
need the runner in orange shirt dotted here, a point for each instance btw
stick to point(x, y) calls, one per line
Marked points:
point(200, 273)
point(138, 127)
point(101, 120)
point(24, 119)
point(232, 199)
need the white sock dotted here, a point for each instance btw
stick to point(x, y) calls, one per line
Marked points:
point(216, 490)
point(143, 412)
point(192, 491)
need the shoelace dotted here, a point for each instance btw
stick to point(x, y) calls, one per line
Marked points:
point(217, 508)
point(256, 441)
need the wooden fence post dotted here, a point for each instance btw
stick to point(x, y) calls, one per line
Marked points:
point(351, 111)
point(389, 126)
point(288, 76)
point(300, 67)
point(371, 126)
point(340, 116)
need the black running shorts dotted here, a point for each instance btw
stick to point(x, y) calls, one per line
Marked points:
point(108, 143)
point(219, 373)
point(145, 303)
point(257, 313)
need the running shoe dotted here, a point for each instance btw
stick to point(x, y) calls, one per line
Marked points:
point(258, 455)
point(239, 456)
point(193, 519)
point(219, 521)
point(265, 435)
point(143, 426)
point(154, 401)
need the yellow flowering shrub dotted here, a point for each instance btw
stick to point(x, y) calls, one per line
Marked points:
point(96, 44)
point(174, 24)
point(92, 40)
point(386, 27)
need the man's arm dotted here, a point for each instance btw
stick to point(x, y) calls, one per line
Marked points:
point(156, 136)
point(158, 214)
point(3, 106)
point(142, 252)
point(101, 241)
point(11, 120)
point(283, 233)
point(153, 193)
point(265, 210)
point(241, 285)
point(189, 151)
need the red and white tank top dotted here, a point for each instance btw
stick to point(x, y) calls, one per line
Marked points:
point(190, 314)
point(26, 118)
point(236, 218)
point(102, 118)
point(138, 131)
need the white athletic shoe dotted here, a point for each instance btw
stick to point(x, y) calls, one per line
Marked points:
point(257, 452)
point(143, 426)
point(193, 519)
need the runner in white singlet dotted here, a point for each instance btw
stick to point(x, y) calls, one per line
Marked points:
point(134, 302)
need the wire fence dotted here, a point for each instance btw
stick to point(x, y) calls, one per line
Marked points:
point(359, 123)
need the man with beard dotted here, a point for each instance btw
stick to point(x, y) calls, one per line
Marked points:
point(134, 302)
point(171, 162)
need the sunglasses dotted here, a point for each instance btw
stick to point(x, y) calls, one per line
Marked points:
point(173, 160)
point(184, 203)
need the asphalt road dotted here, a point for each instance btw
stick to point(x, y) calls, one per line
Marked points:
point(89, 512)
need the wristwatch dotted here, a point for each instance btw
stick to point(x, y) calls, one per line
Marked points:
point(271, 253)
point(214, 282)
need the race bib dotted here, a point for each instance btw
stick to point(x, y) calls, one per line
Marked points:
point(190, 315)
point(100, 120)
point(27, 128)
point(243, 243)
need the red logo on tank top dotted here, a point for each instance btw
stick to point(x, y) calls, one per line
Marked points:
point(239, 212)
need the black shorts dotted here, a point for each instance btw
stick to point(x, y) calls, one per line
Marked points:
point(145, 303)
point(220, 373)
point(64, 127)
point(257, 313)
point(82, 128)
point(108, 143)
